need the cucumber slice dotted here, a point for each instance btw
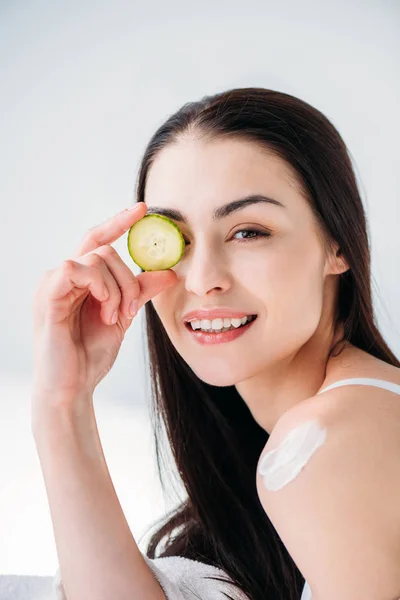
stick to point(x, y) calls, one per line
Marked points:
point(155, 243)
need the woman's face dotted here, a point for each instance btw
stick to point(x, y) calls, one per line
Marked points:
point(277, 274)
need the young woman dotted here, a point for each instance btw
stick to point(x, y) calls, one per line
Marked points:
point(269, 306)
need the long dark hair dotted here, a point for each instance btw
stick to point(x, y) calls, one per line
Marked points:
point(214, 439)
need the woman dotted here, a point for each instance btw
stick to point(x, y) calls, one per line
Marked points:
point(261, 185)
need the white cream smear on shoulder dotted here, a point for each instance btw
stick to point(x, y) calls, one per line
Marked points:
point(282, 464)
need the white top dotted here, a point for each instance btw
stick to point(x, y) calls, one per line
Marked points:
point(180, 578)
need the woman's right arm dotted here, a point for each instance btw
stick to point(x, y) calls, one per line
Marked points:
point(98, 556)
point(76, 342)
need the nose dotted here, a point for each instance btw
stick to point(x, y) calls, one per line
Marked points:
point(207, 271)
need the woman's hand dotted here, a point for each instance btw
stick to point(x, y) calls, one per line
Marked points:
point(75, 344)
point(82, 310)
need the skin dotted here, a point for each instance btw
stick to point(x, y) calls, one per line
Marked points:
point(289, 280)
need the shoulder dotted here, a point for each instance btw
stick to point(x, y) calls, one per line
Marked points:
point(329, 480)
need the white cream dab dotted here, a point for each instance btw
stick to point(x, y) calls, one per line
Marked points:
point(279, 466)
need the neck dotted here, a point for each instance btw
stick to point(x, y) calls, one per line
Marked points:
point(290, 381)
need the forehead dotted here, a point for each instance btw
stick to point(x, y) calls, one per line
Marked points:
point(191, 171)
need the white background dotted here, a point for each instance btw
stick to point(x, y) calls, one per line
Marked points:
point(83, 85)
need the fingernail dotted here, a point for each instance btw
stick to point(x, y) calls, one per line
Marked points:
point(135, 206)
point(133, 308)
point(114, 318)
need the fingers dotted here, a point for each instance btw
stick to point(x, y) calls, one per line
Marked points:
point(72, 274)
point(109, 306)
point(154, 282)
point(112, 229)
point(61, 285)
point(122, 284)
point(97, 268)
point(128, 293)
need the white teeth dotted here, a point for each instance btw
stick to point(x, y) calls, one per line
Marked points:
point(236, 322)
point(205, 324)
point(218, 324)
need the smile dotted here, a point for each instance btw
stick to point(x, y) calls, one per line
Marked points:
point(219, 330)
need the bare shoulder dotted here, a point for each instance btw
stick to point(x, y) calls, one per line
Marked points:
point(329, 480)
point(354, 407)
point(361, 403)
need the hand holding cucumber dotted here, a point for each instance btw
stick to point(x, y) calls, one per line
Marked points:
point(83, 308)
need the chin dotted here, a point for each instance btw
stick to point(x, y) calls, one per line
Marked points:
point(217, 379)
point(219, 375)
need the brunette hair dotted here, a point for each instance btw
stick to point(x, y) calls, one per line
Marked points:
point(214, 439)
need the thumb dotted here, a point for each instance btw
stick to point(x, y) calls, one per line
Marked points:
point(152, 283)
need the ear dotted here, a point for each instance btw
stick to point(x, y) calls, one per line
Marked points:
point(336, 263)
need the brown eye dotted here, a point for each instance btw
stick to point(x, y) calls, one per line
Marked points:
point(251, 234)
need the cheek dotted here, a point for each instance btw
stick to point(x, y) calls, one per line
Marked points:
point(279, 274)
point(288, 282)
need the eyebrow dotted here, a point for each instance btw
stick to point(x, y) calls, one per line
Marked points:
point(218, 213)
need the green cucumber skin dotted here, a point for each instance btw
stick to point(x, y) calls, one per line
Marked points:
point(152, 216)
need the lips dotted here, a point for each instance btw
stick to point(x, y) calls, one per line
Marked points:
point(208, 338)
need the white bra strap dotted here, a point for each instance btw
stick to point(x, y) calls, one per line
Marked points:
point(379, 383)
